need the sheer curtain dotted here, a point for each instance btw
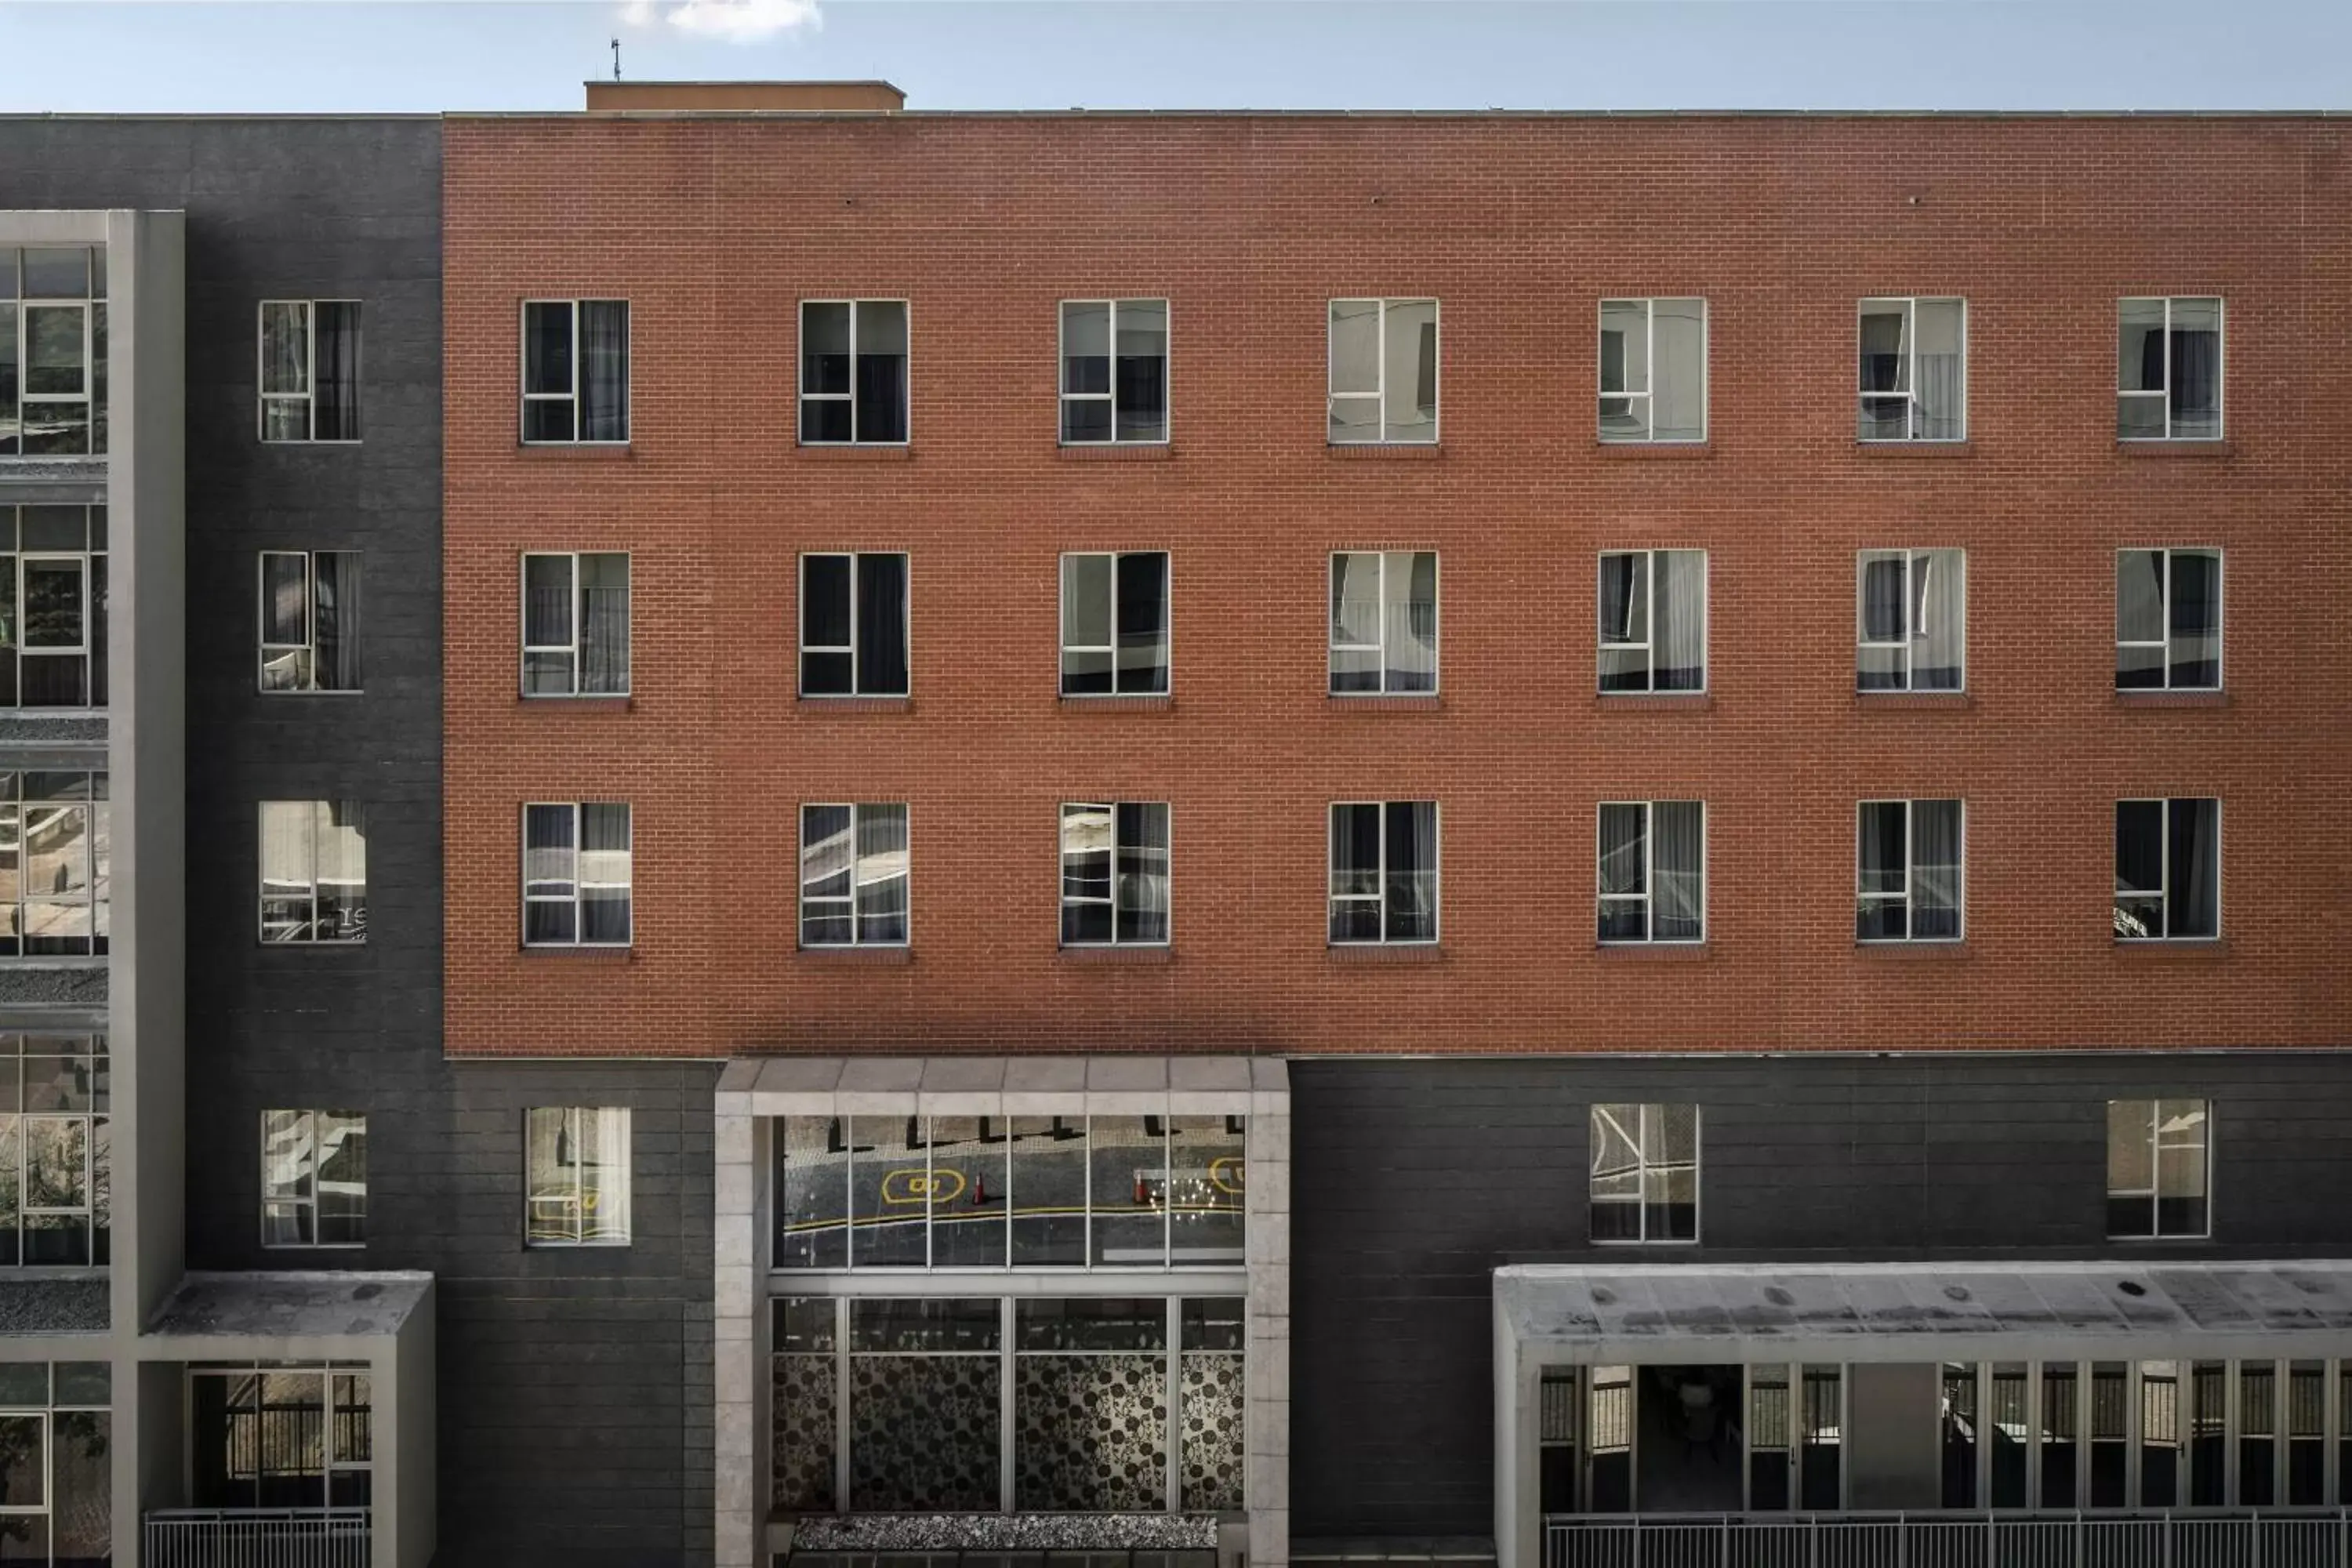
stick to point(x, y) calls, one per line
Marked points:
point(1942, 389)
point(1681, 647)
point(1142, 889)
point(1939, 633)
point(603, 1150)
point(335, 628)
point(335, 373)
point(604, 872)
point(604, 624)
point(882, 864)
point(1624, 599)
point(1409, 594)
point(1678, 872)
point(1936, 869)
point(1411, 832)
point(604, 370)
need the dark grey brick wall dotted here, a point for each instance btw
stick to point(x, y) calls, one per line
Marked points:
point(1413, 1180)
point(575, 1398)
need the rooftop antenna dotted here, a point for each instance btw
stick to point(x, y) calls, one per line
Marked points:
point(617, 59)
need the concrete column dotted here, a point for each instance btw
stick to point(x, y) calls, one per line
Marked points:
point(1267, 1413)
point(740, 1496)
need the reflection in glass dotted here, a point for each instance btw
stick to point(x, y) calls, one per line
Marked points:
point(1127, 1203)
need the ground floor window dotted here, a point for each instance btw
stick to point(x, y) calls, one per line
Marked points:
point(56, 1465)
point(280, 1436)
point(1088, 1404)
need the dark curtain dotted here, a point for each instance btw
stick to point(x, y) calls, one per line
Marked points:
point(335, 371)
point(882, 626)
point(336, 627)
point(604, 370)
point(881, 397)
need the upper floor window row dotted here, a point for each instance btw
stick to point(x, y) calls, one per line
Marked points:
point(1383, 371)
point(53, 352)
point(52, 606)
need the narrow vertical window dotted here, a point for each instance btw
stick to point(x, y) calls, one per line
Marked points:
point(2168, 869)
point(53, 606)
point(2167, 620)
point(853, 625)
point(1383, 371)
point(854, 373)
point(1114, 874)
point(1908, 867)
point(1652, 855)
point(1652, 621)
point(854, 866)
point(52, 352)
point(1115, 624)
point(314, 871)
point(1384, 623)
point(576, 1181)
point(309, 370)
point(310, 620)
point(2169, 371)
point(576, 371)
point(1914, 371)
point(1911, 620)
point(577, 875)
point(2158, 1169)
point(1653, 370)
point(313, 1178)
point(1384, 861)
point(1114, 371)
point(575, 625)
point(1645, 1173)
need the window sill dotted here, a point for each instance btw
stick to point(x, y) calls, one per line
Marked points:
point(1660, 951)
point(1914, 449)
point(1115, 956)
point(2216, 448)
point(1899, 702)
point(593, 701)
point(1653, 451)
point(2172, 699)
point(1384, 953)
point(1116, 704)
point(581, 952)
point(1653, 701)
point(558, 451)
point(1393, 451)
point(886, 957)
point(1374, 703)
point(2171, 947)
point(1116, 452)
point(856, 704)
point(1950, 952)
point(848, 452)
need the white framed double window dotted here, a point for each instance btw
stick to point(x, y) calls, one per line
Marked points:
point(1910, 865)
point(314, 871)
point(53, 606)
point(2168, 368)
point(1653, 370)
point(854, 639)
point(853, 358)
point(2167, 620)
point(1115, 873)
point(577, 871)
point(309, 370)
point(1384, 866)
point(1384, 623)
point(56, 1150)
point(1914, 370)
point(313, 1178)
point(576, 1176)
point(575, 624)
point(309, 621)
point(576, 371)
point(52, 351)
point(853, 874)
point(1652, 621)
point(1383, 368)
point(1114, 371)
point(1645, 1185)
point(1911, 618)
point(1653, 860)
point(1115, 623)
point(2160, 1169)
point(2167, 871)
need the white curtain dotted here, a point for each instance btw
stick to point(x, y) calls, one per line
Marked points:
point(1678, 870)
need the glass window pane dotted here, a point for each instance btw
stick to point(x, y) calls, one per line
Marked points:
point(1085, 346)
point(284, 347)
point(2194, 831)
point(1143, 623)
point(2139, 344)
point(882, 626)
point(2139, 868)
point(60, 272)
point(1940, 375)
point(1207, 1181)
point(1049, 1165)
point(1410, 407)
point(1355, 346)
point(881, 370)
point(882, 863)
point(1128, 1202)
point(1142, 370)
point(547, 615)
point(1884, 841)
point(2195, 620)
point(547, 347)
point(1141, 890)
point(1885, 332)
point(2195, 369)
point(1624, 347)
point(1679, 405)
point(824, 347)
point(1411, 890)
point(968, 1191)
point(812, 1198)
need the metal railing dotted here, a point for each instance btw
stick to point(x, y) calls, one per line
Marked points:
point(257, 1538)
point(2286, 1538)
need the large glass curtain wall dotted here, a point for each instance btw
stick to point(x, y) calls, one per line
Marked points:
point(280, 1436)
point(56, 1465)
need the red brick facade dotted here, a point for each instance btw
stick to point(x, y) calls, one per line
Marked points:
point(715, 227)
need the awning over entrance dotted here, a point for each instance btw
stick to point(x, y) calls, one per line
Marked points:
point(1924, 1312)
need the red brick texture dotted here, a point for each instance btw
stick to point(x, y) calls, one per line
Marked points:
point(714, 228)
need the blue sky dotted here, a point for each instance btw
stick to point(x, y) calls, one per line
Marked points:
point(357, 55)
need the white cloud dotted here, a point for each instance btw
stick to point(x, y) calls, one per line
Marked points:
point(729, 21)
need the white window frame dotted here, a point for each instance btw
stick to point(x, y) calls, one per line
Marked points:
point(856, 673)
point(1639, 1204)
point(800, 371)
point(261, 887)
point(88, 303)
point(2164, 394)
point(1911, 871)
point(1649, 303)
point(2155, 1192)
point(856, 808)
point(1062, 619)
point(1907, 643)
point(2163, 644)
point(1648, 897)
point(1110, 398)
point(83, 649)
point(523, 364)
point(308, 396)
point(311, 1121)
point(1379, 395)
point(578, 1219)
point(265, 647)
point(1380, 649)
point(578, 898)
point(1380, 899)
point(2164, 847)
point(578, 618)
point(1111, 900)
point(1649, 643)
point(1911, 303)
